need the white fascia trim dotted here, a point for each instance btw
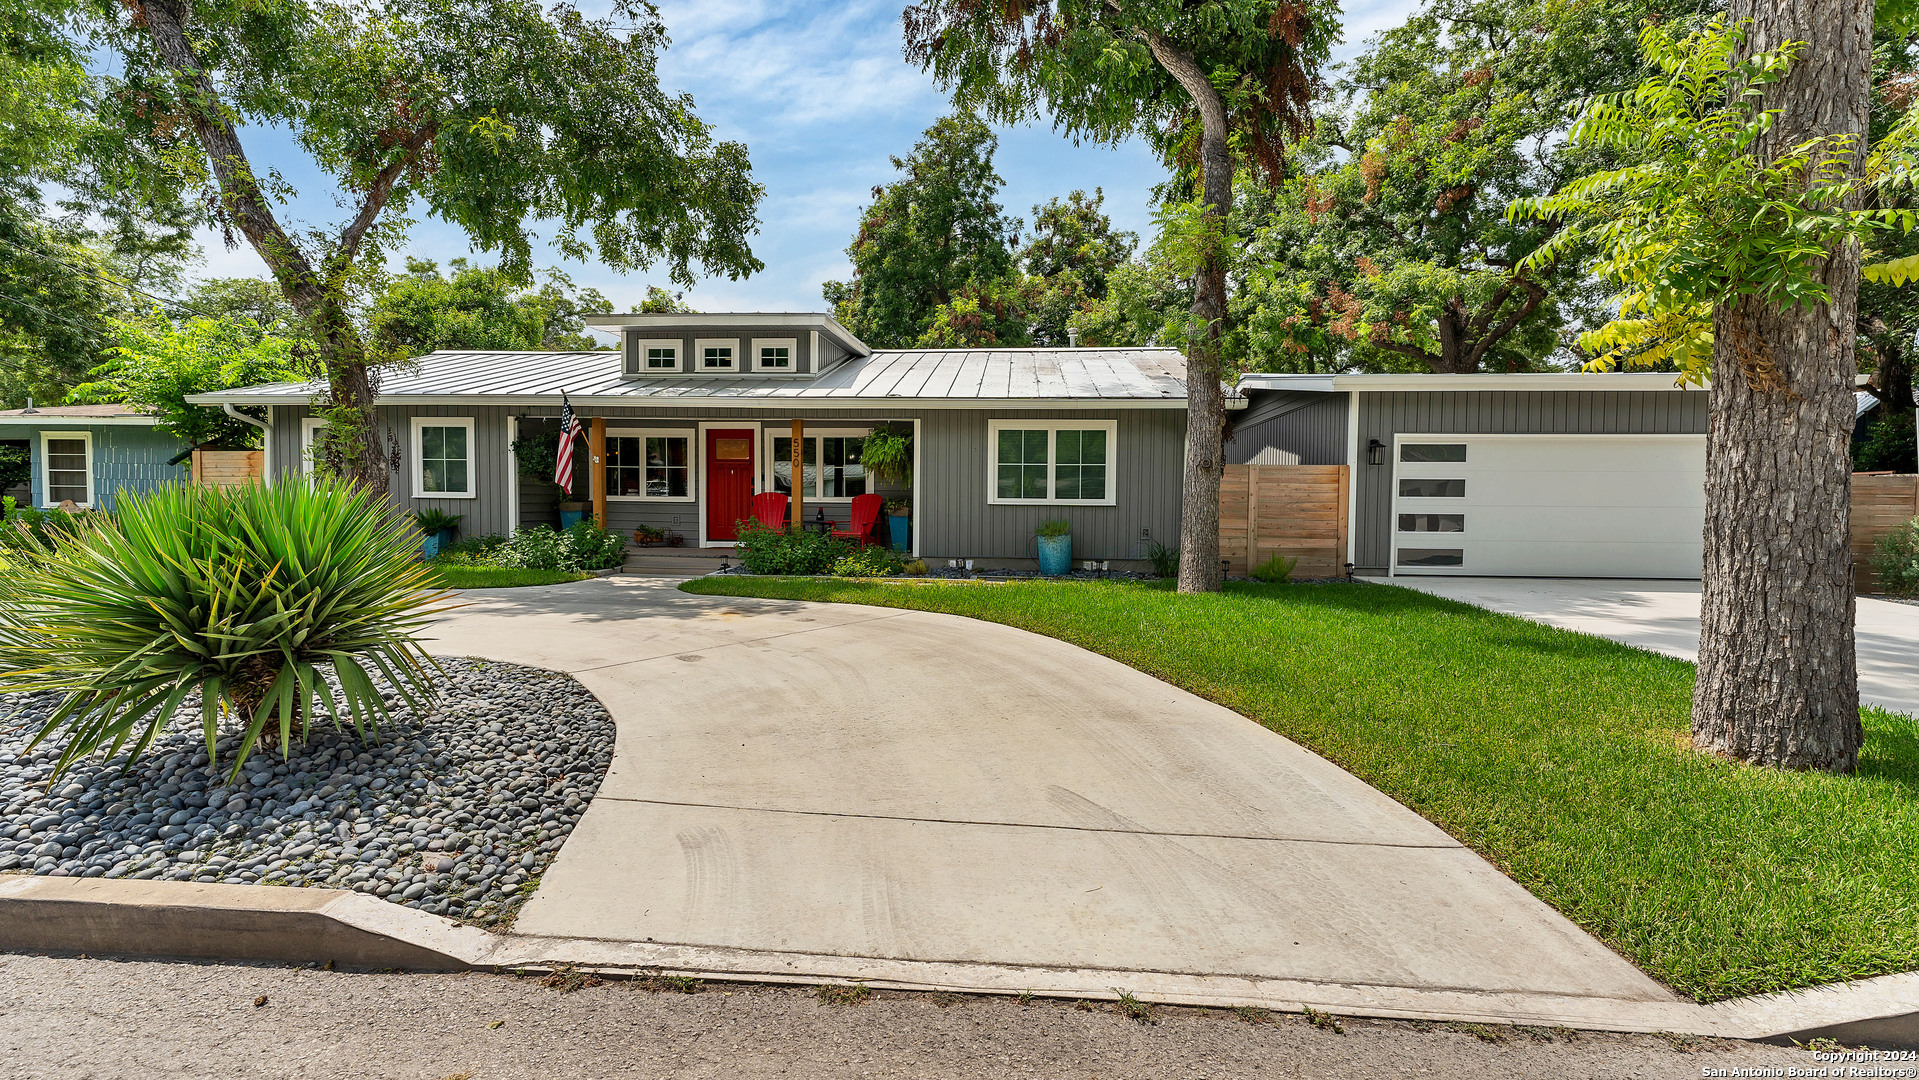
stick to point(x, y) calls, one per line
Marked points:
point(46, 487)
point(774, 402)
point(700, 345)
point(1052, 427)
point(797, 320)
point(1548, 380)
point(692, 471)
point(419, 424)
point(37, 421)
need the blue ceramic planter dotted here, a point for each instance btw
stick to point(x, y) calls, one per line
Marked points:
point(900, 528)
point(1055, 555)
point(434, 543)
point(570, 518)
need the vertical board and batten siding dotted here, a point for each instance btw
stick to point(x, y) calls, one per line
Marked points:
point(1290, 428)
point(1496, 412)
point(949, 491)
point(803, 360)
point(125, 458)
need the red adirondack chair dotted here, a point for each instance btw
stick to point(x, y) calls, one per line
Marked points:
point(769, 509)
point(866, 511)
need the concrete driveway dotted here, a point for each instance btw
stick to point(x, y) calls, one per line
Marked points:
point(834, 781)
point(1663, 616)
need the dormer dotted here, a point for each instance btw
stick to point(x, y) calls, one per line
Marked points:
point(730, 346)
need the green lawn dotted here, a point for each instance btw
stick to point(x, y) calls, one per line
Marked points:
point(500, 577)
point(1560, 757)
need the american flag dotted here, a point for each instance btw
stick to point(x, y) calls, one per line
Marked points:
point(569, 431)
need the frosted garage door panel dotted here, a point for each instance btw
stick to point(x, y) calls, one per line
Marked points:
point(1554, 506)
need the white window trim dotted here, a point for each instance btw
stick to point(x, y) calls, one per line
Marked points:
point(792, 346)
point(46, 485)
point(640, 345)
point(700, 345)
point(766, 470)
point(420, 423)
point(1052, 429)
point(692, 463)
point(309, 427)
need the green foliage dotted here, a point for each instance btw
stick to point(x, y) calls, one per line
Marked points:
point(15, 465)
point(1068, 264)
point(472, 551)
point(777, 551)
point(1697, 220)
point(870, 562)
point(1277, 570)
point(898, 507)
point(465, 576)
point(1165, 559)
point(915, 568)
point(538, 452)
point(660, 302)
point(482, 308)
point(928, 237)
point(432, 521)
point(31, 527)
point(1889, 445)
point(249, 597)
point(247, 300)
point(1054, 527)
point(584, 546)
point(158, 362)
point(1895, 560)
point(888, 455)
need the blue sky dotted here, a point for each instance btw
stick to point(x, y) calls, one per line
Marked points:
point(821, 95)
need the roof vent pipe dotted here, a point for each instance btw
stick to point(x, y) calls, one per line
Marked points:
point(30, 407)
point(1072, 336)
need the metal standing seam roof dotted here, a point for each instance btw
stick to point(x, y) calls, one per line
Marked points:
point(949, 375)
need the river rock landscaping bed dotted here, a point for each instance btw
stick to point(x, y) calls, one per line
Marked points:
point(456, 813)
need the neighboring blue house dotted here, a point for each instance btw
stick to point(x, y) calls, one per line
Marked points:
point(88, 454)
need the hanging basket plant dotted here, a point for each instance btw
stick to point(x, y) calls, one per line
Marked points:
point(538, 452)
point(888, 455)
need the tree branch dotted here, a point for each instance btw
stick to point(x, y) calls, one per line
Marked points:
point(381, 190)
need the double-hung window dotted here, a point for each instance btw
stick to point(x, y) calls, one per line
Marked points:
point(66, 467)
point(1051, 461)
point(649, 465)
point(830, 465)
point(443, 457)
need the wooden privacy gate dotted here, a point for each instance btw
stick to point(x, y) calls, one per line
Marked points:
point(228, 468)
point(1880, 504)
point(1294, 510)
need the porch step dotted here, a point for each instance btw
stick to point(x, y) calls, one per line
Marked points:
point(671, 566)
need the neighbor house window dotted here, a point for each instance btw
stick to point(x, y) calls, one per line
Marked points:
point(66, 468)
point(717, 354)
point(442, 457)
point(829, 467)
point(649, 465)
point(773, 354)
point(1052, 461)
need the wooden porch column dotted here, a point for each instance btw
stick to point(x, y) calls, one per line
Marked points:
point(596, 449)
point(799, 475)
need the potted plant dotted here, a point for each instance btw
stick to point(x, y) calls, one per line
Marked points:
point(572, 512)
point(438, 527)
point(899, 523)
point(1055, 546)
point(888, 456)
point(648, 536)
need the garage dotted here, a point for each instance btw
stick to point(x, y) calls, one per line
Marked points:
point(1620, 505)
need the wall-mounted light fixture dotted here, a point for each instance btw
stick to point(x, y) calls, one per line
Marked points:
point(1373, 447)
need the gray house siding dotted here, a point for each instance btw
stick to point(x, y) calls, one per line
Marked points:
point(949, 490)
point(1495, 412)
point(1290, 428)
point(125, 458)
point(803, 359)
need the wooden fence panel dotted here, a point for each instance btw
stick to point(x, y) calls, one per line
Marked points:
point(1294, 510)
point(228, 468)
point(1880, 504)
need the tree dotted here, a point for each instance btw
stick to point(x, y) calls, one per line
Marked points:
point(661, 302)
point(1073, 253)
point(477, 307)
point(158, 362)
point(487, 114)
point(1743, 206)
point(928, 237)
point(1889, 309)
point(256, 300)
point(1203, 81)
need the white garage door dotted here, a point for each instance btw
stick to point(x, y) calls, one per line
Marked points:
point(1549, 505)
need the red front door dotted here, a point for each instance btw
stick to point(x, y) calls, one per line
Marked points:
point(729, 480)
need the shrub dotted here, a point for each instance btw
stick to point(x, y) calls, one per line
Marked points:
point(871, 562)
point(31, 527)
point(584, 547)
point(1165, 559)
point(1277, 570)
point(916, 568)
point(432, 521)
point(776, 551)
point(1055, 527)
point(248, 596)
point(1895, 559)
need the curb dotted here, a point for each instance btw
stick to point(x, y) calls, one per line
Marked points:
point(354, 931)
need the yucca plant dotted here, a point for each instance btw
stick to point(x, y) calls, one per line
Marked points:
point(248, 595)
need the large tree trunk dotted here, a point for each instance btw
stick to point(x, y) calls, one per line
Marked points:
point(1199, 568)
point(1778, 683)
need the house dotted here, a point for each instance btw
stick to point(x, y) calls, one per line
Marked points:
point(696, 413)
point(86, 454)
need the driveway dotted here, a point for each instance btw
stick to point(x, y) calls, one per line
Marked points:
point(835, 781)
point(1663, 616)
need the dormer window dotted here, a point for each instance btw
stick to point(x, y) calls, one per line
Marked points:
point(774, 354)
point(663, 358)
point(653, 357)
point(717, 354)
